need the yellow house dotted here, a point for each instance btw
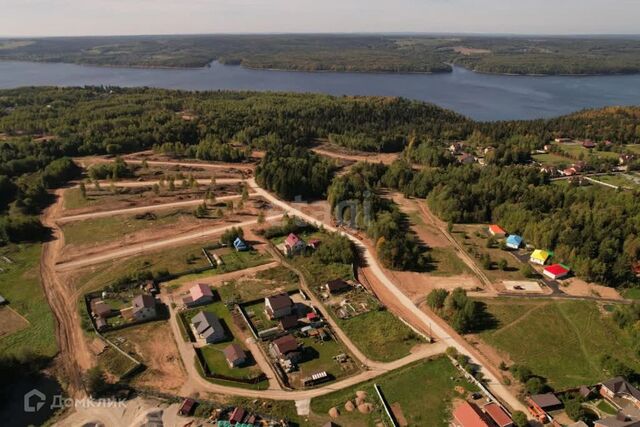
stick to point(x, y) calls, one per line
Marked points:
point(539, 256)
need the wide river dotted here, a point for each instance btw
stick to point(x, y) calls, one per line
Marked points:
point(479, 96)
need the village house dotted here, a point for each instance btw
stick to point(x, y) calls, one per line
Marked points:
point(198, 295)
point(620, 388)
point(314, 244)
point(336, 286)
point(556, 271)
point(497, 231)
point(144, 307)
point(286, 347)
point(466, 159)
point(625, 159)
point(288, 322)
point(208, 327)
point(101, 309)
point(549, 170)
point(499, 417)
point(293, 244)
point(589, 144)
point(240, 245)
point(456, 147)
point(235, 355)
point(539, 257)
point(514, 241)
point(277, 306)
point(540, 404)
point(468, 415)
point(561, 140)
point(619, 420)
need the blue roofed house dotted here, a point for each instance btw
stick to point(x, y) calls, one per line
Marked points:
point(240, 245)
point(514, 241)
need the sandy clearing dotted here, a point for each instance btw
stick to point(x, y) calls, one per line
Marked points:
point(580, 288)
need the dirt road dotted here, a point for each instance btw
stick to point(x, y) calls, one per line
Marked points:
point(409, 309)
point(141, 209)
point(74, 356)
point(135, 184)
point(158, 244)
point(134, 161)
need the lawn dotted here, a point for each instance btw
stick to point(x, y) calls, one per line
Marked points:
point(111, 228)
point(577, 150)
point(423, 390)
point(20, 285)
point(258, 317)
point(114, 362)
point(621, 180)
point(562, 341)
point(380, 335)
point(177, 261)
point(318, 356)
point(631, 293)
point(447, 262)
point(266, 283)
point(552, 159)
point(474, 237)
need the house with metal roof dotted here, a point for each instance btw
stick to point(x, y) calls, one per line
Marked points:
point(496, 231)
point(208, 327)
point(198, 295)
point(556, 271)
point(540, 257)
point(468, 415)
point(514, 241)
point(240, 245)
point(277, 306)
point(235, 355)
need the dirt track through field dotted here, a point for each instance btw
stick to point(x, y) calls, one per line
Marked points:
point(74, 356)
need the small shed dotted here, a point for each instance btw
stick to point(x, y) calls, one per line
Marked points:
point(187, 406)
point(2, 300)
point(539, 257)
point(496, 231)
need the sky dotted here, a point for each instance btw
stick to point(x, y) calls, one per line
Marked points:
point(124, 17)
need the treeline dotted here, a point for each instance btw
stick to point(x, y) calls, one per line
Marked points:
point(355, 202)
point(461, 312)
point(209, 149)
point(292, 171)
point(594, 232)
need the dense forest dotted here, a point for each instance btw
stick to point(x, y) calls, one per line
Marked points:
point(315, 52)
point(596, 232)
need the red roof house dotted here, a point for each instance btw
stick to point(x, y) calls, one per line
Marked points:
point(498, 415)
point(556, 271)
point(468, 415)
point(497, 231)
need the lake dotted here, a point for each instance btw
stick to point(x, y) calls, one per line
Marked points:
point(479, 96)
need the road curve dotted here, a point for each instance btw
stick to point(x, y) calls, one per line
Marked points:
point(492, 381)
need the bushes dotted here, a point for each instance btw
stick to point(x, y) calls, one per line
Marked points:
point(230, 235)
point(289, 225)
point(462, 313)
point(336, 249)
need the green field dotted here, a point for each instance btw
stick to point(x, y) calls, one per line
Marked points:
point(20, 285)
point(621, 180)
point(632, 293)
point(447, 263)
point(265, 283)
point(380, 335)
point(111, 228)
point(177, 260)
point(552, 159)
point(578, 150)
point(423, 390)
point(562, 341)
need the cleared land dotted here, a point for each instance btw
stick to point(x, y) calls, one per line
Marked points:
point(153, 345)
point(423, 392)
point(562, 341)
point(20, 285)
point(474, 238)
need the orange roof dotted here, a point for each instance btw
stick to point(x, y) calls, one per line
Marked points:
point(467, 415)
point(496, 229)
point(498, 415)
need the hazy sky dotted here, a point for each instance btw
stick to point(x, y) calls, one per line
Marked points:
point(87, 17)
